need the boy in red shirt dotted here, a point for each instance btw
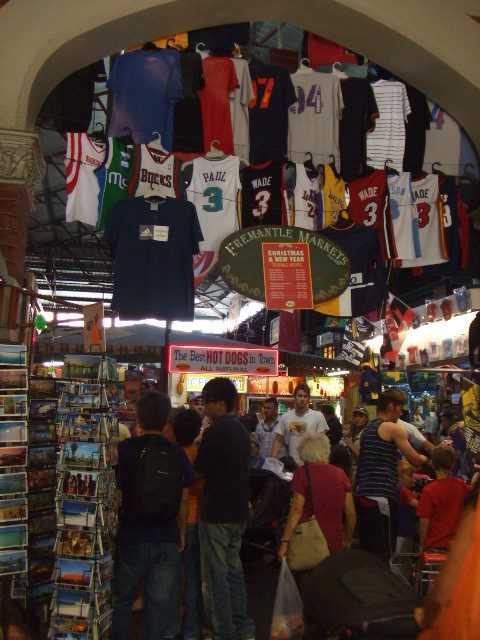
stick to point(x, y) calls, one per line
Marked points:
point(440, 506)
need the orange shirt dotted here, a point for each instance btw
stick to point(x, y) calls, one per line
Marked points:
point(196, 489)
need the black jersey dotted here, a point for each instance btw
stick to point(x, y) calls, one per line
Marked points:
point(263, 194)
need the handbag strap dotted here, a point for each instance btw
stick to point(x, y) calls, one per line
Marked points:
point(309, 491)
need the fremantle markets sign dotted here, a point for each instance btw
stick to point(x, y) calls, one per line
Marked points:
point(223, 360)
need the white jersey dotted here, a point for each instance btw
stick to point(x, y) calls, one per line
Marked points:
point(429, 208)
point(401, 221)
point(214, 190)
point(307, 199)
point(442, 141)
point(83, 156)
point(152, 166)
point(240, 98)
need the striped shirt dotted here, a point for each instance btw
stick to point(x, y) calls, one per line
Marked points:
point(377, 468)
point(387, 140)
point(265, 437)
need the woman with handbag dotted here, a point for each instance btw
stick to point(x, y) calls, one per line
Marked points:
point(322, 494)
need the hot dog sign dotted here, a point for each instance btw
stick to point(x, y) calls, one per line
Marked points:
point(223, 360)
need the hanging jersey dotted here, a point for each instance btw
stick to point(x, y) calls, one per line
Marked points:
point(83, 156)
point(263, 194)
point(112, 178)
point(401, 221)
point(150, 168)
point(433, 248)
point(334, 197)
point(368, 197)
point(307, 200)
point(214, 190)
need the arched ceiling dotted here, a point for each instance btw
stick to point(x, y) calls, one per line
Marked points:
point(434, 45)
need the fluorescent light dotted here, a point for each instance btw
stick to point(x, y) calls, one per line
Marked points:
point(53, 363)
point(337, 373)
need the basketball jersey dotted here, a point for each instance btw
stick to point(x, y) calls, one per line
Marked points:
point(112, 178)
point(83, 156)
point(334, 197)
point(401, 221)
point(151, 167)
point(214, 190)
point(433, 248)
point(307, 200)
point(263, 194)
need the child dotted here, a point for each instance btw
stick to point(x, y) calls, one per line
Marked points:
point(407, 504)
point(441, 504)
point(348, 431)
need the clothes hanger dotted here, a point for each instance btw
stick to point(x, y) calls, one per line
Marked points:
point(201, 49)
point(255, 59)
point(150, 46)
point(336, 71)
point(343, 220)
point(99, 134)
point(389, 169)
point(171, 44)
point(156, 143)
point(308, 164)
point(304, 67)
point(436, 171)
point(215, 153)
point(333, 167)
point(127, 139)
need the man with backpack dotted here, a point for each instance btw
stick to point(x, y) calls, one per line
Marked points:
point(153, 475)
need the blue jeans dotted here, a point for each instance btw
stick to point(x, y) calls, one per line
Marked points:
point(158, 565)
point(194, 611)
point(223, 573)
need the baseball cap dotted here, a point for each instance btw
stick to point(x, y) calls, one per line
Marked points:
point(361, 410)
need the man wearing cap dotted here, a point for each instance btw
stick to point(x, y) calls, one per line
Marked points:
point(360, 420)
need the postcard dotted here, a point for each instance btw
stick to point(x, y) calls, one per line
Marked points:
point(71, 602)
point(102, 629)
point(13, 536)
point(78, 513)
point(41, 456)
point(106, 541)
point(13, 355)
point(74, 572)
point(40, 525)
point(84, 401)
point(41, 432)
point(13, 456)
point(40, 570)
point(13, 379)
point(41, 592)
point(105, 569)
point(12, 510)
point(42, 388)
point(41, 501)
point(74, 542)
point(13, 431)
point(86, 455)
point(15, 405)
point(82, 425)
point(41, 479)
point(41, 548)
point(81, 366)
point(13, 562)
point(69, 624)
point(103, 598)
point(13, 483)
point(43, 409)
point(84, 484)
point(69, 635)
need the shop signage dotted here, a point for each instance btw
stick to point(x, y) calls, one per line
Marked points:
point(240, 261)
point(281, 386)
point(223, 360)
point(94, 340)
point(325, 339)
point(196, 382)
point(288, 279)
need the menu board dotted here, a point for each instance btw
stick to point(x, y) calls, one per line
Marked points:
point(288, 277)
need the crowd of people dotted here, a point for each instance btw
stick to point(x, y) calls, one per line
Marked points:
point(184, 479)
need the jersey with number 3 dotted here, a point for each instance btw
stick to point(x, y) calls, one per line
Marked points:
point(214, 190)
point(263, 194)
point(429, 207)
point(367, 201)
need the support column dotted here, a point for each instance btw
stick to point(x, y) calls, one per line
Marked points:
point(21, 168)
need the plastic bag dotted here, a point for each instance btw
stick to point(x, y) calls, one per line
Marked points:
point(287, 622)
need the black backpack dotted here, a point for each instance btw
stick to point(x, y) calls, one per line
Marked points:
point(155, 485)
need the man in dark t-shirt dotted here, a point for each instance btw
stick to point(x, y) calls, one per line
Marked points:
point(223, 459)
point(334, 432)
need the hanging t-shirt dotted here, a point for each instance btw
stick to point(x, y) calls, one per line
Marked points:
point(263, 194)
point(334, 196)
point(416, 128)
point(220, 79)
point(368, 279)
point(401, 229)
point(151, 167)
point(387, 140)
point(187, 119)
point(433, 249)
point(307, 199)
point(84, 154)
point(359, 115)
point(146, 85)
point(274, 93)
point(322, 51)
point(240, 99)
point(313, 119)
point(368, 198)
point(152, 245)
point(443, 141)
point(112, 178)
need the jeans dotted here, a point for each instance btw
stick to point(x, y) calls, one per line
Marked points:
point(158, 565)
point(194, 611)
point(223, 573)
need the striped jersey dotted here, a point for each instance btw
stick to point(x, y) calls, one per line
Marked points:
point(377, 468)
point(112, 178)
point(387, 140)
point(83, 156)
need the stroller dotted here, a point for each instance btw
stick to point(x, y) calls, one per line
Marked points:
point(352, 594)
point(270, 503)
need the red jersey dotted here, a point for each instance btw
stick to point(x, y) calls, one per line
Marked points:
point(220, 78)
point(442, 503)
point(368, 197)
point(322, 51)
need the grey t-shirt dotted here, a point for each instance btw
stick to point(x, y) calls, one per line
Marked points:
point(292, 428)
point(415, 438)
point(314, 119)
point(240, 98)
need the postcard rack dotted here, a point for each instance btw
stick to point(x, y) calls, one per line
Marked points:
point(85, 500)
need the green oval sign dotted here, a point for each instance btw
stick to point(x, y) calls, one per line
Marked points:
point(240, 261)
